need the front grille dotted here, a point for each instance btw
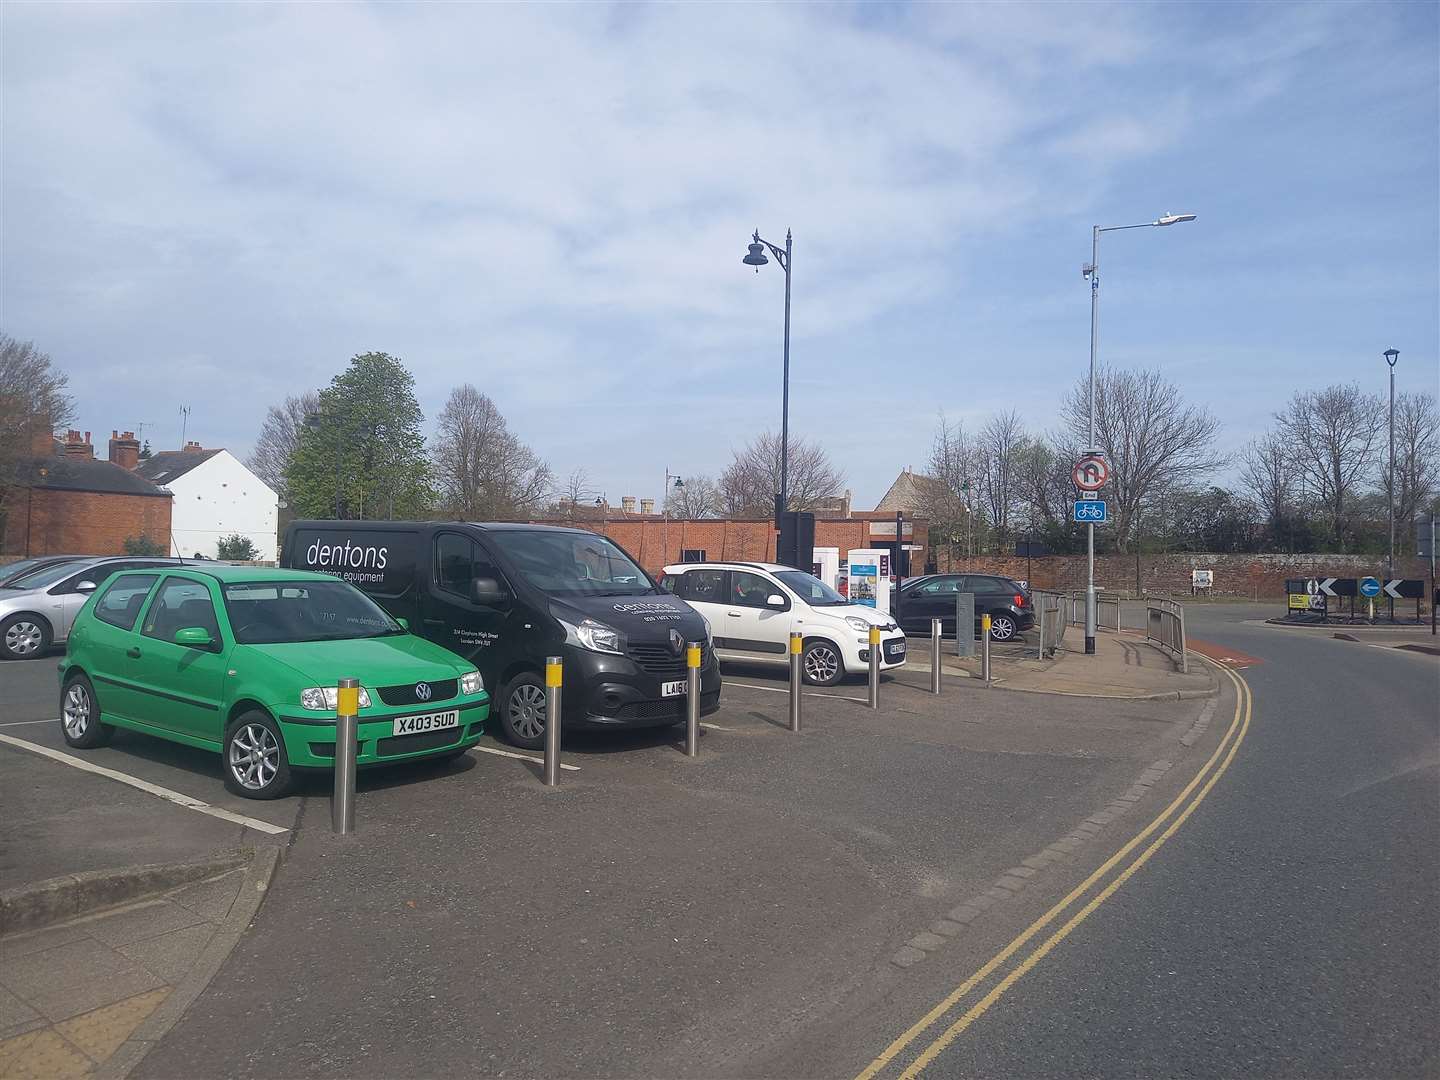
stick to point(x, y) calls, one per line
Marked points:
point(413, 744)
point(664, 709)
point(659, 661)
point(440, 690)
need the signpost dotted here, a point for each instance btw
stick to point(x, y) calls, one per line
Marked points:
point(1090, 474)
point(1370, 588)
point(1425, 548)
point(1090, 510)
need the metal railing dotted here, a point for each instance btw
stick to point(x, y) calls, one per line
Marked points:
point(1107, 610)
point(1052, 616)
point(1165, 628)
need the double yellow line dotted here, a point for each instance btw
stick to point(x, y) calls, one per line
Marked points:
point(1175, 814)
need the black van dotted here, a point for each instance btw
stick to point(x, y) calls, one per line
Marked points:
point(505, 596)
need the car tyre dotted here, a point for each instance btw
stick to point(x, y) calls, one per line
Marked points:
point(24, 637)
point(253, 758)
point(522, 711)
point(80, 715)
point(821, 664)
point(1002, 627)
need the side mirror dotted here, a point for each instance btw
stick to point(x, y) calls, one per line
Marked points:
point(487, 591)
point(404, 624)
point(775, 600)
point(85, 586)
point(194, 637)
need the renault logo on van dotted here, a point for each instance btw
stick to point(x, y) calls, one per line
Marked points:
point(422, 691)
point(677, 641)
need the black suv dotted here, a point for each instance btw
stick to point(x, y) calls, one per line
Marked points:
point(1007, 603)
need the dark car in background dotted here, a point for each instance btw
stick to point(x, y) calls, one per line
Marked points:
point(1005, 600)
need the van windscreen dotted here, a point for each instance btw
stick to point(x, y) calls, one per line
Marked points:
point(577, 564)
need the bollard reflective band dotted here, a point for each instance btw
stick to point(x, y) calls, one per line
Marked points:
point(553, 670)
point(984, 622)
point(874, 635)
point(692, 656)
point(347, 700)
point(796, 641)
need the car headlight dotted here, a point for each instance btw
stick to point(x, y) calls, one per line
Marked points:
point(471, 683)
point(857, 623)
point(595, 636)
point(325, 699)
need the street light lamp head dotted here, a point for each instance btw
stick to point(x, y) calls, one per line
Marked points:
point(1174, 219)
point(756, 258)
point(1391, 355)
point(679, 483)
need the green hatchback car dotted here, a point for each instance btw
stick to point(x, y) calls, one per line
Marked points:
point(244, 661)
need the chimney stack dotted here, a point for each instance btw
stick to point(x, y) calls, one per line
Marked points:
point(124, 449)
point(77, 447)
point(647, 506)
point(193, 445)
point(627, 503)
point(42, 437)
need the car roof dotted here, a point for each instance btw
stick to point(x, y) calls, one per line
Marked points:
point(716, 565)
point(227, 574)
point(410, 526)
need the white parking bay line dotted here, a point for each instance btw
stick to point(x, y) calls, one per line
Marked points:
point(22, 723)
point(145, 786)
point(520, 757)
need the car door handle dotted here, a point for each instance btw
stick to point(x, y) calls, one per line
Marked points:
point(133, 652)
point(733, 614)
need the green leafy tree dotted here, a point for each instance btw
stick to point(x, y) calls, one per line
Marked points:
point(236, 547)
point(143, 545)
point(360, 453)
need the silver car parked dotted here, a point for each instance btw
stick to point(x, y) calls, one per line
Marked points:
point(37, 610)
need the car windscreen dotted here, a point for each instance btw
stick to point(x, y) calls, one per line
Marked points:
point(571, 564)
point(271, 612)
point(810, 588)
point(41, 579)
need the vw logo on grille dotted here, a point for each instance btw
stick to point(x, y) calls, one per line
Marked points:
point(423, 691)
point(677, 641)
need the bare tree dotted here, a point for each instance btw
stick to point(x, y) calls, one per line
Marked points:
point(948, 490)
point(750, 482)
point(998, 447)
point(574, 500)
point(34, 402)
point(697, 497)
point(279, 435)
point(1417, 456)
point(1269, 476)
point(1334, 435)
point(1152, 438)
point(1043, 478)
point(483, 471)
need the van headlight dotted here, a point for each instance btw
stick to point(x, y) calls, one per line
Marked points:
point(592, 635)
point(857, 623)
point(471, 683)
point(325, 699)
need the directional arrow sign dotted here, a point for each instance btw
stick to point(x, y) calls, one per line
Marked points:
point(1369, 587)
point(1403, 589)
point(1334, 586)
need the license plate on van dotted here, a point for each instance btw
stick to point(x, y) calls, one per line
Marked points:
point(415, 725)
point(673, 689)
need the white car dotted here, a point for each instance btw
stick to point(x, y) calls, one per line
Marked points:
point(753, 607)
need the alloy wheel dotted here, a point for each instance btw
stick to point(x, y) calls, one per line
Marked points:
point(821, 664)
point(527, 711)
point(254, 756)
point(1002, 628)
point(23, 638)
point(76, 711)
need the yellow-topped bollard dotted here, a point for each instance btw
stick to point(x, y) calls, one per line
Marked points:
point(692, 699)
point(342, 802)
point(874, 667)
point(797, 650)
point(554, 680)
point(985, 648)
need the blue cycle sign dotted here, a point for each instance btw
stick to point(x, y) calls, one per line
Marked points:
point(1090, 510)
point(1369, 587)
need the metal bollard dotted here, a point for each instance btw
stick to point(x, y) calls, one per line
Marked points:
point(797, 647)
point(554, 677)
point(692, 699)
point(934, 656)
point(342, 804)
point(874, 667)
point(985, 648)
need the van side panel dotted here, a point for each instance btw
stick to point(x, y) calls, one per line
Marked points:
point(381, 562)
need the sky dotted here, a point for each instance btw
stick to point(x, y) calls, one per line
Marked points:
point(216, 205)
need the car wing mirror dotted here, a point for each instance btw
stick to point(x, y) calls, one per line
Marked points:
point(85, 586)
point(775, 600)
point(487, 591)
point(194, 637)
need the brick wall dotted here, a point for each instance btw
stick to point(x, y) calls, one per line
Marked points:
point(1261, 576)
point(83, 522)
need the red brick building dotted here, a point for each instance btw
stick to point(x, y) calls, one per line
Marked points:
point(65, 501)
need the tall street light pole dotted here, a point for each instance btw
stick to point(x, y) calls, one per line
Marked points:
point(665, 508)
point(1091, 270)
point(757, 259)
point(1391, 355)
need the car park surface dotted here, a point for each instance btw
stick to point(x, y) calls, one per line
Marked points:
point(244, 662)
point(752, 609)
point(507, 596)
